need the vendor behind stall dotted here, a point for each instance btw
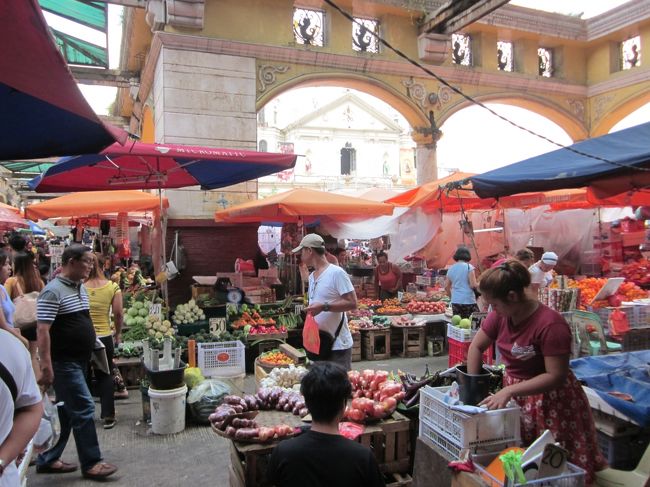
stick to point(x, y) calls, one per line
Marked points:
point(535, 345)
point(388, 277)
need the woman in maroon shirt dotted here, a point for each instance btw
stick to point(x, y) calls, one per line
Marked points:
point(535, 345)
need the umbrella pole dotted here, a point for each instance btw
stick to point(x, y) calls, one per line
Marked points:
point(163, 237)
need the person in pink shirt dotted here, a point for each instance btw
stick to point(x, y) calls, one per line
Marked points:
point(535, 345)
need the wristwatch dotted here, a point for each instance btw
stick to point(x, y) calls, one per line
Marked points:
point(326, 307)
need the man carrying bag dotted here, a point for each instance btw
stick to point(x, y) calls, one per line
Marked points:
point(331, 294)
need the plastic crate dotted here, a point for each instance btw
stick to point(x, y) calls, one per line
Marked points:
point(573, 477)
point(222, 359)
point(623, 452)
point(604, 314)
point(641, 316)
point(451, 450)
point(458, 352)
point(460, 334)
point(468, 430)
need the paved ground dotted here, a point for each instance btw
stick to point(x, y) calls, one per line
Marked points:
point(196, 457)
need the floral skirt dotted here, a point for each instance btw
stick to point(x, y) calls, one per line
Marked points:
point(567, 413)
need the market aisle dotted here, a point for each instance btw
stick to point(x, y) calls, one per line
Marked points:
point(195, 457)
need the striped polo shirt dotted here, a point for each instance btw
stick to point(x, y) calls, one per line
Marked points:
point(64, 305)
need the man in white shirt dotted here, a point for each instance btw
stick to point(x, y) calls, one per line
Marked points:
point(541, 272)
point(21, 406)
point(331, 294)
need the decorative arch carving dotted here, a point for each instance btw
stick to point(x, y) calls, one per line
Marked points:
point(575, 128)
point(400, 102)
point(620, 111)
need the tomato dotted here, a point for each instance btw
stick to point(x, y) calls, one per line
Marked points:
point(390, 403)
point(357, 403)
point(356, 415)
point(378, 411)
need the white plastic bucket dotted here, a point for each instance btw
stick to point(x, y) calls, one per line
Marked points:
point(168, 410)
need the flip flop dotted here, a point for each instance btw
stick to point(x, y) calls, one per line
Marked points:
point(58, 466)
point(102, 470)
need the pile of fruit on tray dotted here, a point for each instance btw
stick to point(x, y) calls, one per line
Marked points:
point(405, 320)
point(276, 357)
point(390, 310)
point(368, 303)
point(375, 395)
point(426, 308)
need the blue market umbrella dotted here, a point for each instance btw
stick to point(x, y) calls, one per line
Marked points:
point(35, 228)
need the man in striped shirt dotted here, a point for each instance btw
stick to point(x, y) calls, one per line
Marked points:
point(66, 338)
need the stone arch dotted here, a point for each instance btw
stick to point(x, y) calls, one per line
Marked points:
point(569, 123)
point(619, 112)
point(400, 102)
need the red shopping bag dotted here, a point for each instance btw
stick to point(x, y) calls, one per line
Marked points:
point(310, 335)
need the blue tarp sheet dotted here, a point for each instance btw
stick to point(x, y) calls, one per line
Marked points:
point(624, 372)
point(626, 150)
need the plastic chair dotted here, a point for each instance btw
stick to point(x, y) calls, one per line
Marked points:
point(638, 477)
point(582, 320)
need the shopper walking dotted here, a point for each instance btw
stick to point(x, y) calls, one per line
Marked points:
point(21, 406)
point(105, 296)
point(331, 294)
point(66, 339)
point(461, 283)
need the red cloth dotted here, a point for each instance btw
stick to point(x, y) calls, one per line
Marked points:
point(544, 333)
point(566, 412)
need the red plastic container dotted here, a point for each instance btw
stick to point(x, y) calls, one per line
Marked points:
point(458, 352)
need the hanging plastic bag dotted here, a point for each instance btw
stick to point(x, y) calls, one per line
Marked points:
point(311, 335)
point(49, 430)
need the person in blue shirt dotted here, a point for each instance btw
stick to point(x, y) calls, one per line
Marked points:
point(461, 283)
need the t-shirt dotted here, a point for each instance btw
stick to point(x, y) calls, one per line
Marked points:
point(15, 357)
point(8, 306)
point(317, 459)
point(544, 334)
point(458, 275)
point(538, 276)
point(64, 304)
point(101, 299)
point(333, 283)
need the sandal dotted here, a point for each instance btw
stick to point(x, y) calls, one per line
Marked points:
point(100, 471)
point(58, 466)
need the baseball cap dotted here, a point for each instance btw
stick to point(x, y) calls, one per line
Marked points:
point(310, 240)
point(549, 258)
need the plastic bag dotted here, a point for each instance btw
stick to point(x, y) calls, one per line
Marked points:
point(310, 335)
point(350, 430)
point(205, 398)
point(49, 430)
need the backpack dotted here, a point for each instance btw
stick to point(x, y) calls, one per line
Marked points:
point(8, 379)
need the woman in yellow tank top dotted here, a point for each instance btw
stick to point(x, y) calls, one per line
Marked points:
point(104, 295)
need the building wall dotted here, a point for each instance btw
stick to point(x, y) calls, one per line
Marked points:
point(208, 249)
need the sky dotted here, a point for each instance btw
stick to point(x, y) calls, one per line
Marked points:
point(494, 143)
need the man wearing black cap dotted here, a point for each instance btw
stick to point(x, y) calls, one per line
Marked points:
point(331, 294)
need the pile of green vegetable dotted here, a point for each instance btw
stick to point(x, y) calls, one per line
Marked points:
point(188, 313)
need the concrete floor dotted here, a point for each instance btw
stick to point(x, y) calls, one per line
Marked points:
point(196, 457)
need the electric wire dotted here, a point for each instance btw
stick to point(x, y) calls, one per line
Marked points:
point(444, 82)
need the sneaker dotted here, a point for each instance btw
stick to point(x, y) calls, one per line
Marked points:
point(109, 423)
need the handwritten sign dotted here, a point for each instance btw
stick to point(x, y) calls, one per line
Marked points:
point(155, 309)
point(217, 326)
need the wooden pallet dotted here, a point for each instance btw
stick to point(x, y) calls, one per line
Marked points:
point(356, 347)
point(375, 344)
point(408, 341)
point(398, 480)
point(390, 442)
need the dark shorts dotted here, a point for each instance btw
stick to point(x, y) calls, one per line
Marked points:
point(29, 333)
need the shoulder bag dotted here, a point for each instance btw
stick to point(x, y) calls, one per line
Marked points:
point(326, 343)
point(25, 312)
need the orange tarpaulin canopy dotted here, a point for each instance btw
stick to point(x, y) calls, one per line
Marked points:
point(95, 202)
point(298, 203)
point(10, 208)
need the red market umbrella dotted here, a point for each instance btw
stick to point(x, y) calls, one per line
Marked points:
point(11, 221)
point(156, 166)
point(43, 112)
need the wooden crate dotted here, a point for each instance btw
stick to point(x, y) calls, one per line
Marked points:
point(248, 464)
point(408, 341)
point(375, 344)
point(132, 371)
point(398, 480)
point(390, 441)
point(356, 346)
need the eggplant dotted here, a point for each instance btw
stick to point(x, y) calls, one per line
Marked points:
point(413, 400)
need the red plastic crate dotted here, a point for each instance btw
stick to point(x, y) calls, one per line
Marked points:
point(458, 352)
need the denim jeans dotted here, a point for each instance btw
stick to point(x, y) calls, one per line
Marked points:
point(77, 414)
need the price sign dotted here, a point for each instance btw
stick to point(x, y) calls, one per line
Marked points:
point(217, 326)
point(155, 309)
point(553, 462)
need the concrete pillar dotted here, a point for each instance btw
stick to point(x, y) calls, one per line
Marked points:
point(426, 139)
point(205, 99)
